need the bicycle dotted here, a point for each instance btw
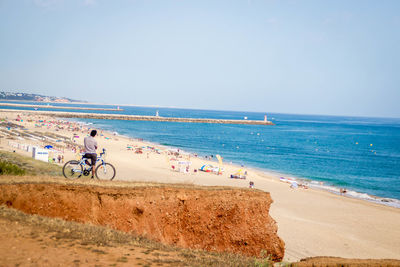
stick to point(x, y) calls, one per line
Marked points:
point(74, 169)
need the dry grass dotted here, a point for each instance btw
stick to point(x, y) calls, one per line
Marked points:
point(85, 181)
point(30, 165)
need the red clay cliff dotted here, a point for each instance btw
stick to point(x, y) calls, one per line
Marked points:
point(214, 219)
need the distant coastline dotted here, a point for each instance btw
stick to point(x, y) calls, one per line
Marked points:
point(33, 97)
point(57, 107)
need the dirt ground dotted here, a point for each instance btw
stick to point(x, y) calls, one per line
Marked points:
point(31, 245)
point(335, 262)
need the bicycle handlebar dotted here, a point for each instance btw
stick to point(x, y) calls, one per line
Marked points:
point(102, 153)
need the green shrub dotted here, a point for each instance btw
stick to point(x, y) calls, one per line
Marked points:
point(10, 169)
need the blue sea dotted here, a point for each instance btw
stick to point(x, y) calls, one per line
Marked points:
point(357, 153)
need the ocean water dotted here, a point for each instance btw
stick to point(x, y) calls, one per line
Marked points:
point(356, 153)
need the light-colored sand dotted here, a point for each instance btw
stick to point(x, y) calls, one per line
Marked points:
point(311, 222)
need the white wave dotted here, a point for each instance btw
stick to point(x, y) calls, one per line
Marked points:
point(354, 194)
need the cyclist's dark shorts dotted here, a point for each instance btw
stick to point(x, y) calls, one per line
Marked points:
point(91, 156)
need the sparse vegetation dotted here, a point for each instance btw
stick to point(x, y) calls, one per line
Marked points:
point(22, 165)
point(122, 259)
point(264, 261)
point(7, 168)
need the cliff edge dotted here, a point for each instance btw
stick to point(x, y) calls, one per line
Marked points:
point(213, 219)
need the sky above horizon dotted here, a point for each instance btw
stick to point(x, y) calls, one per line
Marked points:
point(329, 57)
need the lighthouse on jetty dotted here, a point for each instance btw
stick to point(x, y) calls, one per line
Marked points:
point(103, 116)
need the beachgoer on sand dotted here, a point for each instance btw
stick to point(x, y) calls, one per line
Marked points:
point(90, 149)
point(251, 184)
point(294, 185)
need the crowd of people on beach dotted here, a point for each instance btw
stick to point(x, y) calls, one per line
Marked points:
point(179, 161)
point(20, 137)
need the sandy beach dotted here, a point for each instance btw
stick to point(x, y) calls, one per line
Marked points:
point(311, 222)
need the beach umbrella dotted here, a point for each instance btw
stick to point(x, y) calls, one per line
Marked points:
point(206, 168)
point(219, 162)
point(219, 159)
point(48, 146)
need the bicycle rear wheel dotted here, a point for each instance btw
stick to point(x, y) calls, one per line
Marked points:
point(72, 169)
point(105, 171)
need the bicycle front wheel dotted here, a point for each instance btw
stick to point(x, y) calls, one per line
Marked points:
point(72, 169)
point(105, 171)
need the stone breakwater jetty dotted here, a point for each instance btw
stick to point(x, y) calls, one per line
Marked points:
point(56, 107)
point(59, 114)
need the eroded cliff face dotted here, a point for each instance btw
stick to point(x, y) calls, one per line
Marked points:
point(214, 219)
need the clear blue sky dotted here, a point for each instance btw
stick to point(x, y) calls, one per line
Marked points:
point(309, 57)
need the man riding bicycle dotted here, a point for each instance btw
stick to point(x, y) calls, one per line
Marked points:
point(90, 149)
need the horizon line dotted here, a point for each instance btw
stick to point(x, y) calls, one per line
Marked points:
point(186, 108)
